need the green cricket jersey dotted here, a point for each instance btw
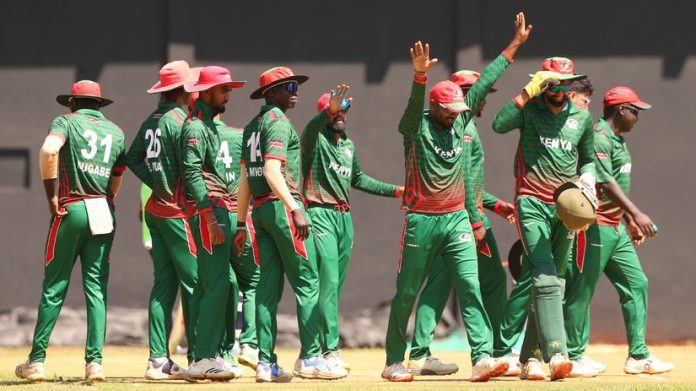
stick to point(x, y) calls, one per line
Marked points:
point(483, 198)
point(438, 176)
point(613, 163)
point(330, 168)
point(203, 170)
point(230, 154)
point(94, 150)
point(552, 148)
point(153, 158)
point(271, 135)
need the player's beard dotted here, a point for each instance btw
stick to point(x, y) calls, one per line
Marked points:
point(556, 103)
point(220, 110)
point(339, 126)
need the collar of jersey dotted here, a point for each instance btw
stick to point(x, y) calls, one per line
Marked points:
point(328, 133)
point(208, 112)
point(602, 124)
point(166, 106)
point(269, 107)
point(93, 113)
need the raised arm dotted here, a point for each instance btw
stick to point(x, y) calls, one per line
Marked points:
point(364, 182)
point(308, 141)
point(422, 63)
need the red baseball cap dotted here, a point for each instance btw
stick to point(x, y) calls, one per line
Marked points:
point(84, 89)
point(274, 77)
point(449, 95)
point(622, 94)
point(174, 75)
point(466, 78)
point(562, 65)
point(212, 76)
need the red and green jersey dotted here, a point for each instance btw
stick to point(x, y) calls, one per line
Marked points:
point(483, 198)
point(93, 152)
point(203, 171)
point(552, 148)
point(270, 135)
point(438, 172)
point(613, 164)
point(331, 167)
point(153, 158)
point(230, 154)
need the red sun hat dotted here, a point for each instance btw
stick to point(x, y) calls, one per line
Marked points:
point(466, 78)
point(174, 75)
point(562, 65)
point(84, 89)
point(623, 94)
point(274, 77)
point(323, 102)
point(448, 94)
point(213, 76)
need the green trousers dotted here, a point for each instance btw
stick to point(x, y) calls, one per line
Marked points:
point(433, 299)
point(69, 237)
point(547, 243)
point(515, 312)
point(212, 293)
point(606, 249)
point(426, 241)
point(174, 267)
point(333, 239)
point(282, 255)
point(247, 274)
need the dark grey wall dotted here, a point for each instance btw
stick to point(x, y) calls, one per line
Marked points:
point(46, 46)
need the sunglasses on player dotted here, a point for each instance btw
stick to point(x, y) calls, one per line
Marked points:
point(559, 87)
point(632, 109)
point(290, 87)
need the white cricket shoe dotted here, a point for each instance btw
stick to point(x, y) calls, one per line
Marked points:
point(581, 368)
point(230, 366)
point(317, 368)
point(396, 373)
point(598, 366)
point(426, 366)
point(210, 369)
point(651, 365)
point(333, 358)
point(94, 372)
point(514, 365)
point(560, 366)
point(32, 371)
point(271, 372)
point(532, 370)
point(167, 370)
point(249, 356)
point(486, 368)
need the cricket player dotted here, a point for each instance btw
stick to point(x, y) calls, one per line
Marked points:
point(555, 146)
point(492, 275)
point(245, 267)
point(330, 167)
point(439, 199)
point(152, 157)
point(203, 173)
point(83, 158)
point(608, 245)
point(270, 170)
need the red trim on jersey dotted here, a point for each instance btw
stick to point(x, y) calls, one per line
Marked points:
point(272, 156)
point(189, 238)
point(581, 244)
point(178, 120)
point(420, 79)
point(254, 243)
point(205, 234)
point(118, 171)
point(52, 236)
point(486, 250)
point(298, 244)
point(518, 101)
point(401, 246)
point(507, 56)
point(477, 224)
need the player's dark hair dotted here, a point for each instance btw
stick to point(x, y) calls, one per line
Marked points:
point(84, 103)
point(171, 95)
point(582, 86)
point(610, 111)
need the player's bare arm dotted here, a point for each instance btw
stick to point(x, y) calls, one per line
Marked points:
point(48, 163)
point(642, 221)
point(274, 177)
point(243, 198)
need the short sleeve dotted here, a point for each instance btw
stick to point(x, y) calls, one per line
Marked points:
point(602, 157)
point(276, 140)
point(60, 126)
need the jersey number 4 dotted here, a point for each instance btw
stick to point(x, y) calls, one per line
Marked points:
point(92, 139)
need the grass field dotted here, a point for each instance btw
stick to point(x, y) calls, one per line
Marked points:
point(124, 367)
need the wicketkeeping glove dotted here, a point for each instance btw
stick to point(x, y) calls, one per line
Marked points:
point(540, 82)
